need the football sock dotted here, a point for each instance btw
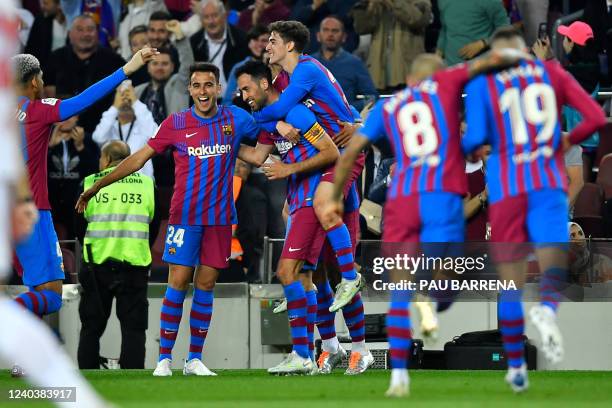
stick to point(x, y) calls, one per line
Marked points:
point(355, 321)
point(170, 320)
point(340, 241)
point(199, 321)
point(325, 318)
point(512, 326)
point(311, 317)
point(398, 328)
point(551, 284)
point(296, 309)
point(40, 303)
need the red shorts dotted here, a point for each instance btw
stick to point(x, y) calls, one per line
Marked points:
point(192, 245)
point(305, 236)
point(328, 175)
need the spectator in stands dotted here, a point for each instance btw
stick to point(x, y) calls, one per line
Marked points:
point(165, 93)
point(138, 39)
point(117, 261)
point(128, 120)
point(586, 266)
point(466, 27)
point(49, 32)
point(263, 12)
point(257, 39)
point(218, 42)
point(138, 13)
point(159, 37)
point(312, 12)
point(573, 166)
point(583, 63)
point(179, 9)
point(349, 70)
point(378, 189)
point(533, 13)
point(25, 20)
point(106, 13)
point(75, 67)
point(398, 35)
point(72, 155)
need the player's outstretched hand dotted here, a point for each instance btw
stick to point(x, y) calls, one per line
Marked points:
point(288, 132)
point(343, 137)
point(84, 198)
point(275, 169)
point(139, 59)
point(174, 26)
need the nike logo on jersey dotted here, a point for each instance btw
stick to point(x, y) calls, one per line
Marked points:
point(294, 249)
point(188, 135)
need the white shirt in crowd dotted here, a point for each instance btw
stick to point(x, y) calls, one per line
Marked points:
point(142, 129)
point(216, 48)
point(60, 32)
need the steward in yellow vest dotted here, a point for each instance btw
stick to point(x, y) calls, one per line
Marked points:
point(117, 259)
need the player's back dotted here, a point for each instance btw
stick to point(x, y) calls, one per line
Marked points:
point(36, 118)
point(519, 111)
point(325, 97)
point(422, 123)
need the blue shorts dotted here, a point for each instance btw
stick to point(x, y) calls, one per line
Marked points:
point(40, 254)
point(192, 245)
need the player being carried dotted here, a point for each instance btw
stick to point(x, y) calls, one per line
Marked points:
point(303, 164)
point(40, 254)
point(312, 84)
point(424, 201)
point(205, 140)
point(517, 111)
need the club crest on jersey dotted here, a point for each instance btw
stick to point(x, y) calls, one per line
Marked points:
point(49, 101)
point(204, 152)
point(227, 130)
point(172, 250)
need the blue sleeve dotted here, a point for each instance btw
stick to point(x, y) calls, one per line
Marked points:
point(374, 128)
point(476, 116)
point(77, 104)
point(356, 114)
point(269, 127)
point(300, 117)
point(246, 125)
point(302, 81)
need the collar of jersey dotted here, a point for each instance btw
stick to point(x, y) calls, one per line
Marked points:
point(206, 120)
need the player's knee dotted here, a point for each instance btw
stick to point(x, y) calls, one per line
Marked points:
point(285, 275)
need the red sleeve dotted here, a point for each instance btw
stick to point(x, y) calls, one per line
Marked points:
point(569, 92)
point(46, 110)
point(162, 139)
point(453, 78)
point(265, 138)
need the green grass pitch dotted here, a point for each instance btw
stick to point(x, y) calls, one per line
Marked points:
point(255, 388)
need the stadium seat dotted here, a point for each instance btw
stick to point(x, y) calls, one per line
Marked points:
point(605, 144)
point(589, 201)
point(593, 226)
point(604, 176)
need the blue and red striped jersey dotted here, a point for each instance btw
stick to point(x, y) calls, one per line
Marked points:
point(518, 111)
point(422, 123)
point(204, 151)
point(316, 87)
point(36, 119)
point(301, 187)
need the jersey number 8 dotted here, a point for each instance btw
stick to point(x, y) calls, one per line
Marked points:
point(536, 106)
point(415, 119)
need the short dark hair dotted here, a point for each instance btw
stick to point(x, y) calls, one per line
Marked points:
point(292, 31)
point(505, 33)
point(256, 31)
point(139, 29)
point(160, 16)
point(204, 67)
point(337, 18)
point(256, 69)
point(166, 50)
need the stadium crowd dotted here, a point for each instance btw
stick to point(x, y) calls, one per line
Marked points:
point(368, 46)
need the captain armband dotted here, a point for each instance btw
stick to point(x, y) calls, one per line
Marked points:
point(315, 133)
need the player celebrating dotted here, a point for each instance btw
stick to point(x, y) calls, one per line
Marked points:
point(302, 163)
point(205, 140)
point(313, 84)
point(424, 202)
point(40, 254)
point(517, 111)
